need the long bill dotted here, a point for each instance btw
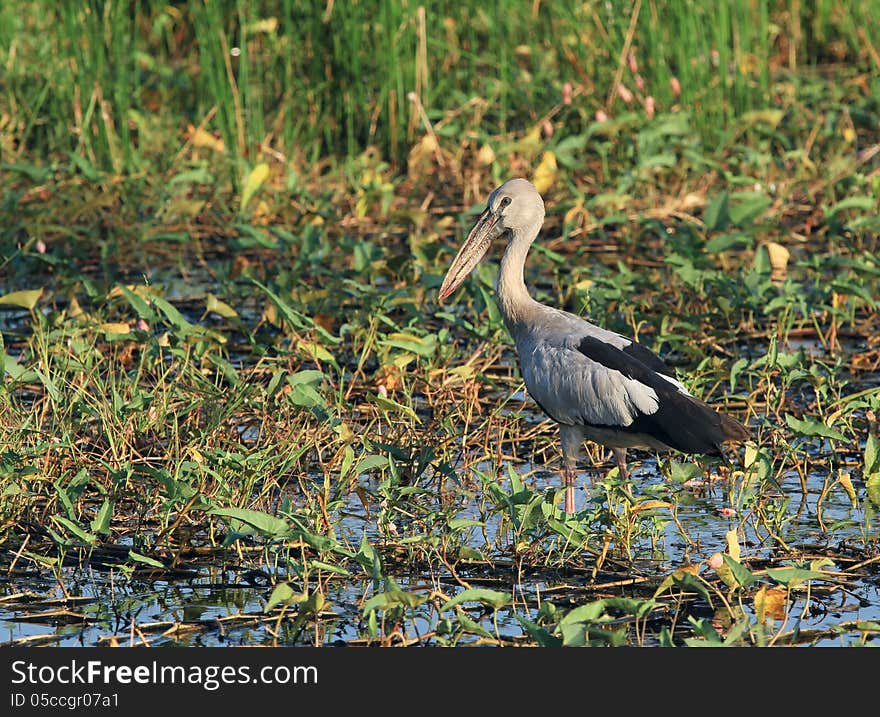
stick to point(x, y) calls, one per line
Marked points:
point(474, 248)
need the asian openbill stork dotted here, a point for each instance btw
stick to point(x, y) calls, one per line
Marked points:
point(596, 384)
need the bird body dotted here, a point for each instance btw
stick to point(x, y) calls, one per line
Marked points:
point(596, 384)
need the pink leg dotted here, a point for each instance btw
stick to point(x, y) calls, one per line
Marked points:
point(620, 458)
point(572, 439)
point(568, 477)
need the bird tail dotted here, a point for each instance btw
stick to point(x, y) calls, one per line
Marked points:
point(732, 430)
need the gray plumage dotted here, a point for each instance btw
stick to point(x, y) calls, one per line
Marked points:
point(596, 384)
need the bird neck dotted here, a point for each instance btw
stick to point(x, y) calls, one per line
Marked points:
point(513, 296)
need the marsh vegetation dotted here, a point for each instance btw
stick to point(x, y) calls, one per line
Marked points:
point(232, 410)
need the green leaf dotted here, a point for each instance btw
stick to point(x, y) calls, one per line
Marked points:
point(215, 306)
point(790, 576)
point(538, 633)
point(306, 396)
point(748, 206)
point(740, 572)
point(282, 594)
point(32, 171)
point(393, 597)
point(472, 626)
point(736, 370)
point(703, 627)
point(138, 303)
point(267, 524)
point(328, 567)
point(307, 376)
point(173, 315)
point(421, 345)
point(254, 180)
point(86, 168)
point(370, 462)
point(812, 427)
point(865, 204)
point(872, 455)
point(873, 488)
point(462, 523)
point(584, 613)
point(138, 558)
point(391, 405)
point(76, 530)
point(26, 299)
point(15, 369)
point(717, 214)
point(723, 242)
point(492, 598)
point(192, 176)
point(101, 523)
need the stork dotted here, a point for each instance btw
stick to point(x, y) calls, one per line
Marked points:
point(596, 384)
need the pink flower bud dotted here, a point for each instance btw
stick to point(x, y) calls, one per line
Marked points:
point(640, 83)
point(566, 93)
point(142, 325)
point(716, 561)
point(601, 116)
point(548, 128)
point(633, 65)
point(727, 512)
point(676, 86)
point(649, 106)
point(41, 246)
point(624, 93)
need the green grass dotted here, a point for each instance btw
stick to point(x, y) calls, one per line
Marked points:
point(234, 360)
point(295, 83)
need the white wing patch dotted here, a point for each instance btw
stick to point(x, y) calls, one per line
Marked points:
point(679, 387)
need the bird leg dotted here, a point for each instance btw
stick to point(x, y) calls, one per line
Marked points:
point(571, 439)
point(620, 458)
point(568, 477)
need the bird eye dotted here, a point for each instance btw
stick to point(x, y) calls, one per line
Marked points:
point(505, 202)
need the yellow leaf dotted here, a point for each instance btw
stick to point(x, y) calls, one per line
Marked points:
point(255, 179)
point(846, 482)
point(214, 305)
point(112, 327)
point(649, 505)
point(202, 138)
point(726, 574)
point(545, 174)
point(485, 156)
point(315, 351)
point(769, 117)
point(269, 25)
point(26, 299)
point(270, 313)
point(770, 602)
point(778, 255)
point(74, 309)
point(424, 149)
point(732, 545)
point(529, 145)
point(345, 433)
point(849, 134)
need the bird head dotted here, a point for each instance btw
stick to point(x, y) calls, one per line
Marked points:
point(512, 208)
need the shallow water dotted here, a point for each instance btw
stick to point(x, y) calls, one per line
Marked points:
point(224, 605)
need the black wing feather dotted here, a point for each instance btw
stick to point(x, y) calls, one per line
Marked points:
point(681, 422)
